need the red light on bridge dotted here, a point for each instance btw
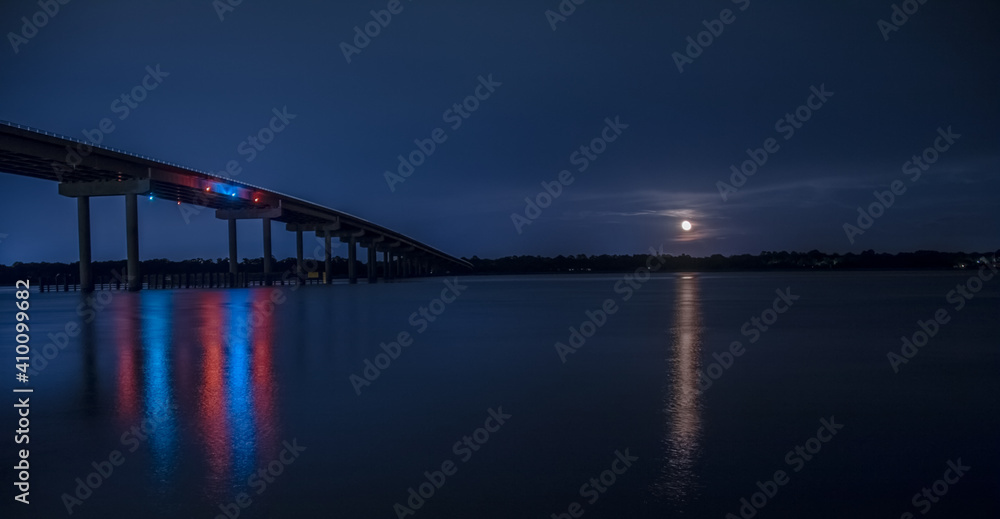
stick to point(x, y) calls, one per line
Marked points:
point(208, 189)
point(256, 199)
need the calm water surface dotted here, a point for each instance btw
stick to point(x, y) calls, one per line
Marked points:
point(229, 383)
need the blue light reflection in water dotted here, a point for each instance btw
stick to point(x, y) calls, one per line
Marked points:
point(241, 414)
point(159, 408)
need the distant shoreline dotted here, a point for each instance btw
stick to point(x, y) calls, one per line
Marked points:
point(768, 261)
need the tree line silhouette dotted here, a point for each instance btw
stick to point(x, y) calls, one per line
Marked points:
point(766, 260)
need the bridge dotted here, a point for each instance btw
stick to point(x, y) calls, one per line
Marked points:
point(84, 170)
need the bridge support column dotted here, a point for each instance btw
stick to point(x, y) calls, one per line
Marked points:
point(130, 188)
point(232, 248)
point(83, 222)
point(267, 251)
point(300, 273)
point(372, 267)
point(386, 262)
point(327, 258)
point(352, 259)
point(265, 215)
point(132, 241)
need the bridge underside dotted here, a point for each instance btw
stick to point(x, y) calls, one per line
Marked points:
point(85, 171)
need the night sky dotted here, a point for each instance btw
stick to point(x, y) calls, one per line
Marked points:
point(223, 79)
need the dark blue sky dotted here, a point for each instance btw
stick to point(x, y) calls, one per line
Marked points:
point(606, 59)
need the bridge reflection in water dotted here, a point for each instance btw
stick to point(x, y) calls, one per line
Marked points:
point(681, 399)
point(207, 383)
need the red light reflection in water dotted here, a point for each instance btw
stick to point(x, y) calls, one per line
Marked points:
point(213, 407)
point(129, 392)
point(232, 333)
point(227, 324)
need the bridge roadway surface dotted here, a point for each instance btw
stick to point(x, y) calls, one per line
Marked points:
point(84, 170)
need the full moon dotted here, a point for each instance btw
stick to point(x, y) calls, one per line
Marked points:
point(686, 225)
